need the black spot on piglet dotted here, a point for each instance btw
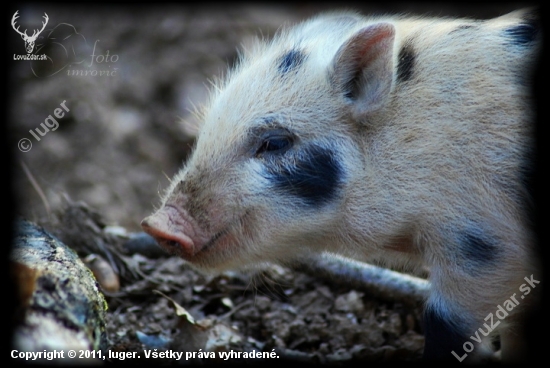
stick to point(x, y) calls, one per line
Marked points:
point(290, 61)
point(405, 66)
point(442, 337)
point(313, 175)
point(478, 248)
point(522, 34)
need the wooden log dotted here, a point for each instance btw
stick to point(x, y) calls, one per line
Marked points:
point(60, 307)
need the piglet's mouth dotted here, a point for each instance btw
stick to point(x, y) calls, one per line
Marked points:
point(178, 234)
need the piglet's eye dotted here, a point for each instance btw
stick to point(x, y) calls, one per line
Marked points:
point(275, 144)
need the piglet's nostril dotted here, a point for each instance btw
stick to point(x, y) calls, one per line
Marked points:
point(168, 242)
point(168, 238)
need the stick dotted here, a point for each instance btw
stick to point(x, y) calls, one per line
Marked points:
point(379, 282)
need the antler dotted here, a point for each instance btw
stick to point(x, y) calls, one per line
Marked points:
point(34, 35)
point(24, 34)
point(15, 16)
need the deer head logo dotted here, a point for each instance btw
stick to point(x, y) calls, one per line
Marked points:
point(29, 40)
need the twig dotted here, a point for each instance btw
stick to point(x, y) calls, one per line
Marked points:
point(36, 187)
point(379, 282)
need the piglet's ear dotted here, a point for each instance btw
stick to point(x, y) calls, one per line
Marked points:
point(363, 69)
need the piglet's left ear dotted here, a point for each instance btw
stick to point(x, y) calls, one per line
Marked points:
point(363, 68)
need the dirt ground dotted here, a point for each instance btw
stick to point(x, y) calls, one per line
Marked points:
point(126, 93)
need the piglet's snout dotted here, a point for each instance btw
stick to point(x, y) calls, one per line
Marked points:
point(170, 242)
point(173, 232)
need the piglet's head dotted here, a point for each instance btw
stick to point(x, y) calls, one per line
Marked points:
point(278, 155)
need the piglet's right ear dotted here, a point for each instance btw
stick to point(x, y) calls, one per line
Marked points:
point(363, 69)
